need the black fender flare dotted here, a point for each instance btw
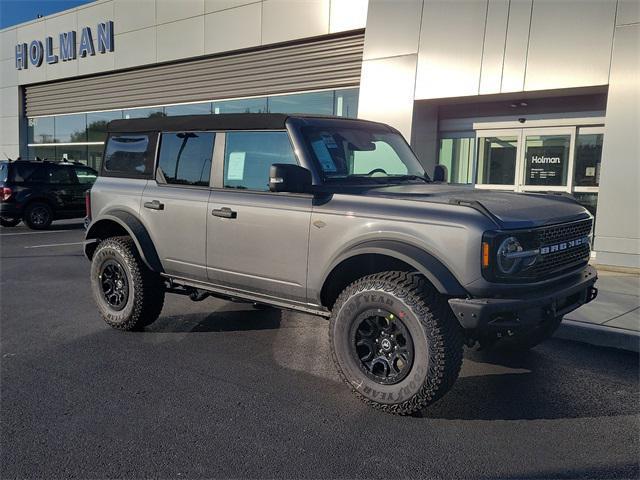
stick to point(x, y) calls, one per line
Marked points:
point(136, 231)
point(428, 265)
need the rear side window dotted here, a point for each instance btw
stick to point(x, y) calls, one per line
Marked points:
point(129, 155)
point(29, 173)
point(85, 175)
point(4, 172)
point(185, 158)
point(248, 157)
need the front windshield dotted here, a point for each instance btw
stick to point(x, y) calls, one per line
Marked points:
point(361, 154)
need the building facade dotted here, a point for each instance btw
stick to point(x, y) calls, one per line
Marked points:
point(523, 95)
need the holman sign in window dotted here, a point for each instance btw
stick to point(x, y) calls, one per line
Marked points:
point(36, 52)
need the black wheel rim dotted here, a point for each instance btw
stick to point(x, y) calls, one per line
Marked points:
point(114, 283)
point(39, 216)
point(382, 346)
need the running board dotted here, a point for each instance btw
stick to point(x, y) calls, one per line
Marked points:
point(227, 293)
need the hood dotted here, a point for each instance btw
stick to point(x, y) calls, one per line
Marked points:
point(510, 210)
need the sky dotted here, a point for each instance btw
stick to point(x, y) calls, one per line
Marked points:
point(13, 12)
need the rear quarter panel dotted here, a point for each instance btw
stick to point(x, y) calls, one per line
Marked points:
point(111, 193)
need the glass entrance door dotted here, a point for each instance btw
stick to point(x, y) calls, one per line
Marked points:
point(526, 159)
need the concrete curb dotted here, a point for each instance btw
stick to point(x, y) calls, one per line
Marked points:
point(599, 335)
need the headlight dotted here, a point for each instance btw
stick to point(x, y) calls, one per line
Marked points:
point(505, 256)
point(507, 263)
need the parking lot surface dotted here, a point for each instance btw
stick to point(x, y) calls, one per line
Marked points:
point(217, 389)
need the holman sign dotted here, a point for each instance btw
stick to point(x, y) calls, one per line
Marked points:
point(36, 53)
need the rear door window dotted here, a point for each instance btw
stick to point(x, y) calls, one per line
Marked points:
point(130, 155)
point(61, 175)
point(27, 172)
point(185, 158)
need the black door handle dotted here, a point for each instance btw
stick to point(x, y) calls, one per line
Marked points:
point(155, 205)
point(224, 212)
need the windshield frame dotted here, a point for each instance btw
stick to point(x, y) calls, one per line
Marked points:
point(302, 143)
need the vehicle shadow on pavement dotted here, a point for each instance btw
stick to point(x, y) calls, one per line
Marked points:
point(537, 385)
point(219, 321)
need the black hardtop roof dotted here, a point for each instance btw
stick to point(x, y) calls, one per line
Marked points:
point(223, 121)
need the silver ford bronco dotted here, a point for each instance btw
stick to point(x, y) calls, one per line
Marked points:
point(337, 218)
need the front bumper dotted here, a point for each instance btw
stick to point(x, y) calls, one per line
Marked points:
point(500, 314)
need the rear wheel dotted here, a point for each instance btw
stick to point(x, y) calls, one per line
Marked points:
point(9, 222)
point(128, 294)
point(395, 341)
point(38, 216)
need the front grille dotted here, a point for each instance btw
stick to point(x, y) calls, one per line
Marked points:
point(563, 260)
point(561, 233)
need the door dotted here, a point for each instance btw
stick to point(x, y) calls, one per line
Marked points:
point(174, 204)
point(257, 241)
point(64, 188)
point(525, 159)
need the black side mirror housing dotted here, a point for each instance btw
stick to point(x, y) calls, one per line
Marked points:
point(285, 177)
point(440, 173)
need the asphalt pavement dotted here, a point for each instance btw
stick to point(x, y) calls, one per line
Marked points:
point(219, 390)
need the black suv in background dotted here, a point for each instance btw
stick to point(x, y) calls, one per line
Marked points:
point(38, 192)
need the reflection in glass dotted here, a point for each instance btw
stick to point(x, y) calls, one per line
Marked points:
point(588, 157)
point(346, 103)
point(546, 159)
point(97, 124)
point(246, 105)
point(588, 200)
point(42, 153)
point(190, 109)
point(72, 153)
point(71, 128)
point(185, 158)
point(497, 160)
point(40, 130)
point(457, 155)
point(144, 112)
point(95, 153)
point(317, 102)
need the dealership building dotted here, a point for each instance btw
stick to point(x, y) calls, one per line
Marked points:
point(522, 95)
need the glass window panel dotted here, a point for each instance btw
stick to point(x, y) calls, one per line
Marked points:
point(61, 175)
point(97, 124)
point(381, 157)
point(249, 155)
point(546, 159)
point(70, 128)
point(29, 172)
point(42, 153)
point(72, 153)
point(129, 155)
point(588, 157)
point(346, 103)
point(588, 200)
point(316, 102)
point(144, 112)
point(457, 155)
point(185, 158)
point(191, 109)
point(4, 171)
point(85, 175)
point(247, 105)
point(40, 130)
point(497, 160)
point(95, 153)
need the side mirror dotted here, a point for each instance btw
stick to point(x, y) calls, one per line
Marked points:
point(440, 173)
point(284, 177)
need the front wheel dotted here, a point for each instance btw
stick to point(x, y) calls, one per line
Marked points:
point(395, 341)
point(9, 222)
point(128, 294)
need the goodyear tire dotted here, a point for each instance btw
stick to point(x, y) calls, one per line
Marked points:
point(129, 296)
point(38, 216)
point(9, 222)
point(395, 341)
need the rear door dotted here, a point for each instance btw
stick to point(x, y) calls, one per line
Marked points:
point(257, 240)
point(174, 203)
point(63, 186)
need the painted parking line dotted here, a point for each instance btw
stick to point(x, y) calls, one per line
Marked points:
point(55, 245)
point(35, 233)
